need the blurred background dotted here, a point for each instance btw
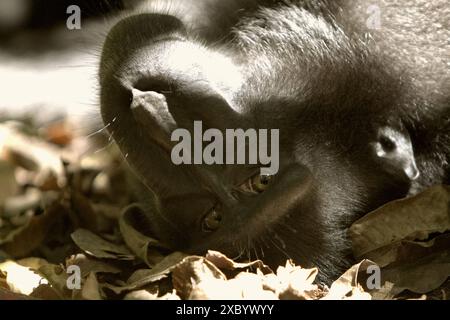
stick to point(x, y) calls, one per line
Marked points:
point(19, 16)
point(47, 70)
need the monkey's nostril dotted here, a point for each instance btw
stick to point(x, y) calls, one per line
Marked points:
point(387, 144)
point(155, 85)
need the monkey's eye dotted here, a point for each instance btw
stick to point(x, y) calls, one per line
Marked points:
point(256, 184)
point(211, 222)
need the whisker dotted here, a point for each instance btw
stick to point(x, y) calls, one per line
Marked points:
point(281, 241)
point(289, 227)
point(240, 249)
point(98, 131)
point(249, 256)
point(263, 240)
point(262, 251)
point(281, 250)
point(110, 142)
point(256, 252)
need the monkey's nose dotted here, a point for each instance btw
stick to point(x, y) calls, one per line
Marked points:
point(133, 58)
point(151, 111)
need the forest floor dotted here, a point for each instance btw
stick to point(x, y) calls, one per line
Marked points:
point(69, 230)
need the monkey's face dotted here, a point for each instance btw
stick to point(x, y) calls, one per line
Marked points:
point(155, 82)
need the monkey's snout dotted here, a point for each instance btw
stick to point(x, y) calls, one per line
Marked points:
point(150, 110)
point(134, 69)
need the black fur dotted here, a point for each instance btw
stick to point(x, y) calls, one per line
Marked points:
point(312, 69)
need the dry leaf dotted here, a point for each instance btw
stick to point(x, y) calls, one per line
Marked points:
point(143, 277)
point(95, 246)
point(347, 286)
point(91, 289)
point(90, 218)
point(406, 219)
point(8, 295)
point(296, 282)
point(420, 276)
point(21, 279)
point(57, 279)
point(144, 247)
point(222, 262)
point(45, 292)
point(24, 240)
point(145, 295)
point(30, 153)
point(244, 286)
point(8, 186)
point(94, 192)
point(59, 133)
point(408, 251)
point(190, 272)
point(90, 265)
point(14, 206)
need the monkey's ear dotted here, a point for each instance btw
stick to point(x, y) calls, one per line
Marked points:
point(394, 150)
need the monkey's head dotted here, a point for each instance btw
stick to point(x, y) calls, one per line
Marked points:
point(341, 152)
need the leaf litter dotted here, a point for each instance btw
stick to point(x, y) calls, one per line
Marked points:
point(69, 229)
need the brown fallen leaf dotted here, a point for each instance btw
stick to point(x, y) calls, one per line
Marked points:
point(396, 237)
point(146, 295)
point(390, 236)
point(20, 279)
point(144, 277)
point(57, 278)
point(347, 286)
point(89, 265)
point(8, 186)
point(407, 219)
point(89, 218)
point(245, 286)
point(222, 262)
point(31, 153)
point(32, 263)
point(45, 292)
point(97, 247)
point(144, 247)
point(387, 291)
point(59, 133)
point(195, 279)
point(408, 251)
point(6, 295)
point(91, 288)
point(294, 282)
point(420, 276)
point(192, 271)
point(29, 200)
point(24, 240)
